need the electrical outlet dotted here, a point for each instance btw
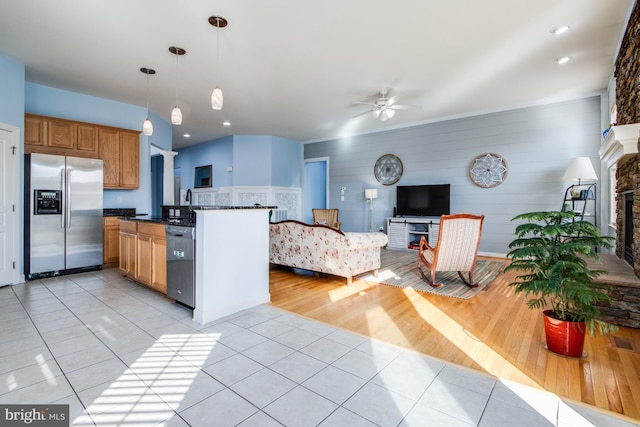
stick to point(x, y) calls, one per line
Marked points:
point(119, 199)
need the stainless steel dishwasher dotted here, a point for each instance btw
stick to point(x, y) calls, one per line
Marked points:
point(181, 251)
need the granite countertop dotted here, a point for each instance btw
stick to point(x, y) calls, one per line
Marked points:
point(211, 208)
point(177, 221)
point(119, 212)
point(130, 215)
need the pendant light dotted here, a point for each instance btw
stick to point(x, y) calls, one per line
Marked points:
point(217, 98)
point(147, 126)
point(176, 113)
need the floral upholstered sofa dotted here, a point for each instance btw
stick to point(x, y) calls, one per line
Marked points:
point(323, 249)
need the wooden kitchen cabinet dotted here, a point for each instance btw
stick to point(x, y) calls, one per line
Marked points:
point(127, 256)
point(50, 135)
point(87, 139)
point(110, 240)
point(35, 131)
point(159, 264)
point(143, 256)
point(129, 160)
point(61, 134)
point(120, 153)
point(151, 256)
point(118, 148)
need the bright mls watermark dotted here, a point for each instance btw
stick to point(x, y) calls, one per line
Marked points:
point(34, 415)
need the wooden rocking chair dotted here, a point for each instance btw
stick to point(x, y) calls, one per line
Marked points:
point(456, 250)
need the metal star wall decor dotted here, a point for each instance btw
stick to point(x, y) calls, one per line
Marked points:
point(388, 169)
point(488, 170)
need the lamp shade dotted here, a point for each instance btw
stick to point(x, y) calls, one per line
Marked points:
point(371, 193)
point(147, 127)
point(580, 168)
point(217, 99)
point(176, 116)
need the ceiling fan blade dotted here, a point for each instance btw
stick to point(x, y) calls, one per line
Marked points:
point(364, 103)
point(363, 113)
point(405, 107)
point(392, 100)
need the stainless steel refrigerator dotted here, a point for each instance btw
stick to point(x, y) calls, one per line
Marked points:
point(63, 215)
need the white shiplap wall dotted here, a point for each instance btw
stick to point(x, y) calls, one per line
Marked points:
point(537, 143)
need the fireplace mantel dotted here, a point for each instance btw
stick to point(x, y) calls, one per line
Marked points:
point(618, 142)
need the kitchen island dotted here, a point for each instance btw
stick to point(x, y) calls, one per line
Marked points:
point(232, 260)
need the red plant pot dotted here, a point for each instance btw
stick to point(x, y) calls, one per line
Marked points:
point(563, 337)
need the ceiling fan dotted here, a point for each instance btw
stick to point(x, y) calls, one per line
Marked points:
point(383, 106)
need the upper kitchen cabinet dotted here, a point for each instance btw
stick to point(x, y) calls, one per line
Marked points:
point(51, 135)
point(35, 131)
point(118, 148)
point(120, 153)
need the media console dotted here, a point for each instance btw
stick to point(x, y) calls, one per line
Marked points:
point(405, 232)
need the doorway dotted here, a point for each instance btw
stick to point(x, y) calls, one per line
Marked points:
point(157, 185)
point(316, 186)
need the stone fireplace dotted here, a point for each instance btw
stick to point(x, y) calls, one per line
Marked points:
point(628, 229)
point(620, 151)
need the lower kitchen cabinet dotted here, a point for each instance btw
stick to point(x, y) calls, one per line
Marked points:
point(110, 240)
point(159, 264)
point(127, 256)
point(143, 255)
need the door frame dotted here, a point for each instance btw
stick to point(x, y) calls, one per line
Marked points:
point(326, 161)
point(15, 219)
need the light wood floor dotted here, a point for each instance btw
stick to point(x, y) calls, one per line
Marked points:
point(494, 332)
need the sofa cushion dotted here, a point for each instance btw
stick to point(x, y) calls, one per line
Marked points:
point(365, 240)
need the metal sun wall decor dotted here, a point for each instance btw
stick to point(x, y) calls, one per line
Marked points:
point(488, 170)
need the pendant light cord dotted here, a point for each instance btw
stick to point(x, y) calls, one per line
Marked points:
point(177, 78)
point(147, 73)
point(218, 46)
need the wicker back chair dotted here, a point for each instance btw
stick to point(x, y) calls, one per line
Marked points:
point(456, 250)
point(326, 217)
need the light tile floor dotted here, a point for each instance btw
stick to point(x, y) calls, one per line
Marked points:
point(122, 355)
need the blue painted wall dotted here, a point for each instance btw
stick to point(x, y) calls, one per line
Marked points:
point(12, 93)
point(286, 163)
point(252, 160)
point(257, 160)
point(218, 154)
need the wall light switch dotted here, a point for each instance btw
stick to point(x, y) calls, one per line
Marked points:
point(342, 198)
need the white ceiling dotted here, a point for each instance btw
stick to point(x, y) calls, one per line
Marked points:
point(294, 68)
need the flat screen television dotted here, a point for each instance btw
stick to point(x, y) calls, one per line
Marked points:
point(423, 200)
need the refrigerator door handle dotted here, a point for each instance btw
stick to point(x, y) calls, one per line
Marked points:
point(63, 185)
point(68, 191)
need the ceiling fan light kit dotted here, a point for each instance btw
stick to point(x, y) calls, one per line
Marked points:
point(384, 107)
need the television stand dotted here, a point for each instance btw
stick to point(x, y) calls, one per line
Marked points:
point(405, 232)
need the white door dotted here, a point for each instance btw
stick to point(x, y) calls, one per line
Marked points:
point(9, 156)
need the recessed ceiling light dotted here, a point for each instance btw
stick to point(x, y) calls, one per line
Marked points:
point(226, 123)
point(187, 135)
point(559, 30)
point(562, 60)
